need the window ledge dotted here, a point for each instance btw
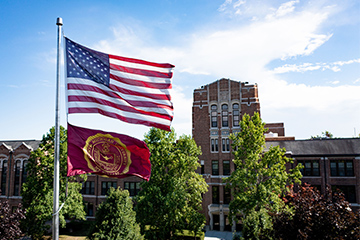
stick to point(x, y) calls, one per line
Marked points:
point(342, 176)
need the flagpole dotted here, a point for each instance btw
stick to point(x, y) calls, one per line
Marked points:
point(55, 221)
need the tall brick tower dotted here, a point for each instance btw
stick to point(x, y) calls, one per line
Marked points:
point(217, 110)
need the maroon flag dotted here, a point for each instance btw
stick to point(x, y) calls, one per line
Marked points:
point(107, 154)
point(131, 90)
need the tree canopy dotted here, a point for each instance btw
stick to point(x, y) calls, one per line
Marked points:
point(260, 177)
point(37, 191)
point(10, 221)
point(316, 216)
point(171, 200)
point(325, 134)
point(115, 218)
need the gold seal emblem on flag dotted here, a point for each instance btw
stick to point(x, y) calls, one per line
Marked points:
point(107, 154)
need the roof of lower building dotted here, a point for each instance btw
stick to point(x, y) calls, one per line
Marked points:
point(13, 144)
point(324, 147)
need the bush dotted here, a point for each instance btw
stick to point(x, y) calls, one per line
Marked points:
point(10, 221)
point(316, 216)
point(115, 218)
point(257, 225)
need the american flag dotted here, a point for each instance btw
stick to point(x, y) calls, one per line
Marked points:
point(131, 90)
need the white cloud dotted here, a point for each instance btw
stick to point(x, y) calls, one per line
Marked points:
point(223, 6)
point(182, 110)
point(334, 66)
point(283, 10)
point(194, 71)
point(243, 52)
point(296, 68)
point(341, 63)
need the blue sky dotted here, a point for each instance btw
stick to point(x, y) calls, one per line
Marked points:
point(304, 56)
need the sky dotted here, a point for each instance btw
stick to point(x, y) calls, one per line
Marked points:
point(304, 56)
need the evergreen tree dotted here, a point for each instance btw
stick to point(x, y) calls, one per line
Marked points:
point(171, 200)
point(115, 218)
point(37, 191)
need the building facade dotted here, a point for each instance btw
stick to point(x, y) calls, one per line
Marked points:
point(327, 162)
point(13, 159)
point(14, 156)
point(217, 110)
point(216, 113)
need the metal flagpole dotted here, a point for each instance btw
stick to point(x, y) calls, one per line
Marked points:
point(55, 221)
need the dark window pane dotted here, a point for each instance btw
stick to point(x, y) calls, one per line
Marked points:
point(341, 167)
point(215, 167)
point(333, 169)
point(213, 116)
point(132, 187)
point(349, 168)
point(215, 195)
point(227, 196)
point(224, 113)
point(226, 167)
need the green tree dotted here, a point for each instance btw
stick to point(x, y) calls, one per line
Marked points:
point(325, 134)
point(260, 178)
point(115, 218)
point(37, 191)
point(171, 200)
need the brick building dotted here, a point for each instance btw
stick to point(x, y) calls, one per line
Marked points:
point(216, 113)
point(334, 162)
point(217, 109)
point(13, 159)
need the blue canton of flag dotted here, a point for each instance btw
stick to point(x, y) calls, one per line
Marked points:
point(86, 63)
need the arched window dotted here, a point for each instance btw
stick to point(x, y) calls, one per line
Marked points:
point(24, 172)
point(236, 115)
point(3, 177)
point(17, 178)
point(214, 116)
point(224, 115)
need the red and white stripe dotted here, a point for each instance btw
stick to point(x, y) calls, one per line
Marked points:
point(138, 93)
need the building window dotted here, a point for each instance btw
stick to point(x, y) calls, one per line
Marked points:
point(202, 162)
point(214, 116)
point(24, 172)
point(215, 167)
point(349, 192)
point(226, 167)
point(17, 178)
point(342, 168)
point(226, 145)
point(227, 195)
point(214, 145)
point(224, 115)
point(3, 177)
point(132, 187)
point(105, 186)
point(236, 115)
point(215, 195)
point(311, 168)
point(88, 188)
point(89, 209)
